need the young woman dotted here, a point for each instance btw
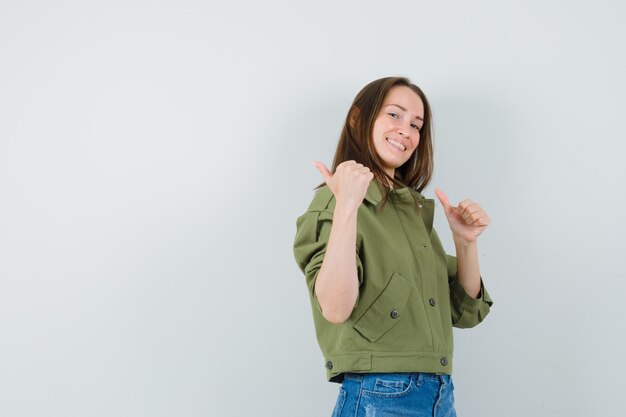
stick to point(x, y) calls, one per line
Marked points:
point(384, 293)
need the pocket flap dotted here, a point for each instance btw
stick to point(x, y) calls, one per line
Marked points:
point(387, 310)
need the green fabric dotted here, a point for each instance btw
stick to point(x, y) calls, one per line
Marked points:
point(401, 266)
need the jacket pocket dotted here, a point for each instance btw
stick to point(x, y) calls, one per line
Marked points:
point(386, 311)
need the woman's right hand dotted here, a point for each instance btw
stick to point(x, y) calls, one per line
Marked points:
point(349, 182)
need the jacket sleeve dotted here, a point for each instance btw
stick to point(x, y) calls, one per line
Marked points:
point(466, 310)
point(309, 248)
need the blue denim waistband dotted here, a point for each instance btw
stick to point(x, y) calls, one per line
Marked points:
point(415, 376)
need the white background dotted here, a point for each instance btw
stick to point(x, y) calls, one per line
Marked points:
point(154, 156)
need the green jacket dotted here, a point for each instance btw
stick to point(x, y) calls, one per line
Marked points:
point(409, 296)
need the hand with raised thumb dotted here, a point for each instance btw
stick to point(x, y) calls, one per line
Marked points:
point(349, 182)
point(467, 220)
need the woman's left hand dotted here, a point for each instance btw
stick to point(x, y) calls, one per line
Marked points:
point(467, 220)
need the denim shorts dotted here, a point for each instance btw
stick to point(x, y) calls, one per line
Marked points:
point(415, 394)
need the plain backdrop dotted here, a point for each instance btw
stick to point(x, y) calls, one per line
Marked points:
point(154, 156)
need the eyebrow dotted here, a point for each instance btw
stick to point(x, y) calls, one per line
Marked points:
point(405, 110)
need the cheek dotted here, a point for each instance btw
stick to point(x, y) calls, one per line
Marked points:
point(377, 133)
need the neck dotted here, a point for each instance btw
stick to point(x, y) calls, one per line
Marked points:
point(392, 175)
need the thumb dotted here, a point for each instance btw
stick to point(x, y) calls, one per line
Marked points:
point(444, 200)
point(323, 170)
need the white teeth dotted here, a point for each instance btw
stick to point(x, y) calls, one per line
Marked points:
point(396, 144)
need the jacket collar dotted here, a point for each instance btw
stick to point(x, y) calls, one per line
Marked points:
point(426, 205)
point(374, 194)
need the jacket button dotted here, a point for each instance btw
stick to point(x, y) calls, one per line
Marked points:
point(432, 302)
point(329, 365)
point(394, 314)
point(444, 361)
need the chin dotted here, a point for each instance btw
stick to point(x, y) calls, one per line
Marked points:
point(395, 164)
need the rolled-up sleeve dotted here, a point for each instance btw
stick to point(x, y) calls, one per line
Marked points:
point(312, 233)
point(466, 310)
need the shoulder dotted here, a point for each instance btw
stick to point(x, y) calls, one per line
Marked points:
point(323, 200)
point(320, 210)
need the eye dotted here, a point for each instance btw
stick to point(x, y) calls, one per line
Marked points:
point(394, 115)
point(416, 127)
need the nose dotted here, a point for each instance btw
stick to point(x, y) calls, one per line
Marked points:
point(403, 130)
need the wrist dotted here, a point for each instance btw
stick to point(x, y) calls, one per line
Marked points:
point(345, 211)
point(460, 242)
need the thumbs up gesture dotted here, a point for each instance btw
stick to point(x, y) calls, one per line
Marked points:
point(349, 182)
point(467, 220)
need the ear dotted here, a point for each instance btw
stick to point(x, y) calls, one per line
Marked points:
point(354, 116)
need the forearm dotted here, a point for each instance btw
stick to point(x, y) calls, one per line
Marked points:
point(337, 286)
point(468, 272)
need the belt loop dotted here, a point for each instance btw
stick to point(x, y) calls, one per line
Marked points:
point(442, 379)
point(418, 379)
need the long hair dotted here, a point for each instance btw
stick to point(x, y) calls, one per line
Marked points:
point(356, 142)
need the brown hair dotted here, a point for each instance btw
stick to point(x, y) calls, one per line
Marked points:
point(355, 142)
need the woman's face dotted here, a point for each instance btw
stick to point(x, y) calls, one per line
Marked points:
point(396, 131)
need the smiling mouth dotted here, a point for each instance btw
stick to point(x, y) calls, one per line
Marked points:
point(397, 145)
